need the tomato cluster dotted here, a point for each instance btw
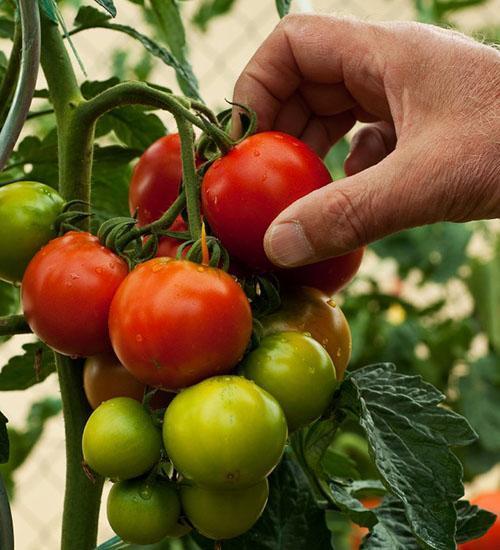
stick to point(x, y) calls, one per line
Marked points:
point(190, 414)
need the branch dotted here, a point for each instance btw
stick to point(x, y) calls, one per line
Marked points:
point(13, 324)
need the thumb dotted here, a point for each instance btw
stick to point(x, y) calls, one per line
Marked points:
point(399, 192)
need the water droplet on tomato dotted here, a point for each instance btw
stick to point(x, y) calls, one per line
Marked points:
point(145, 492)
point(256, 153)
point(331, 303)
point(98, 270)
point(74, 275)
point(139, 338)
point(339, 352)
point(200, 269)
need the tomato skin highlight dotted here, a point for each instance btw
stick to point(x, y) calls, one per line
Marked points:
point(309, 310)
point(329, 276)
point(297, 371)
point(120, 440)
point(224, 433)
point(28, 211)
point(156, 179)
point(143, 512)
point(491, 539)
point(246, 189)
point(104, 378)
point(222, 515)
point(173, 322)
point(67, 291)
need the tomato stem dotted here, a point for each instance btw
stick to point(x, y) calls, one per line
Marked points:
point(13, 324)
point(189, 176)
point(11, 72)
point(75, 142)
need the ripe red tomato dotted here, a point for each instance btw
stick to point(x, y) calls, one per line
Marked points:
point(67, 290)
point(245, 190)
point(358, 532)
point(156, 179)
point(329, 276)
point(173, 322)
point(491, 539)
point(104, 378)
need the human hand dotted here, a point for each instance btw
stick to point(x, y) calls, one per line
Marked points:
point(431, 150)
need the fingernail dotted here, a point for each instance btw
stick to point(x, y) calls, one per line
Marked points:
point(286, 244)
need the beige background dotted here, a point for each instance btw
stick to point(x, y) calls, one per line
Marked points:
point(217, 56)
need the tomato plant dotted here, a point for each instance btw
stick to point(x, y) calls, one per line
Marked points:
point(67, 291)
point(297, 371)
point(120, 440)
point(189, 325)
point(28, 211)
point(246, 189)
point(309, 310)
point(219, 514)
point(156, 179)
point(224, 409)
point(173, 322)
point(143, 511)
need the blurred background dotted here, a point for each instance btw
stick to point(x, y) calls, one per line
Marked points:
point(427, 299)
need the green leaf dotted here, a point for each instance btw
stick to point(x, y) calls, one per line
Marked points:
point(393, 531)
point(90, 17)
point(210, 9)
point(30, 368)
point(283, 7)
point(291, 518)
point(108, 6)
point(23, 441)
point(4, 439)
point(473, 522)
point(438, 250)
point(484, 285)
point(171, 27)
point(335, 158)
point(6, 28)
point(9, 301)
point(410, 438)
point(110, 180)
point(479, 398)
point(49, 7)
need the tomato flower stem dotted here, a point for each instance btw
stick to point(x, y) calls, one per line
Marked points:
point(13, 324)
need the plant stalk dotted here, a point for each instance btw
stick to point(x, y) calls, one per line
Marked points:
point(75, 141)
point(13, 324)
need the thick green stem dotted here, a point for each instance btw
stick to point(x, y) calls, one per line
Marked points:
point(75, 134)
point(6, 529)
point(10, 77)
point(13, 324)
point(140, 93)
point(189, 177)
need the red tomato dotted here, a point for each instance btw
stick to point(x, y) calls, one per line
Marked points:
point(491, 539)
point(329, 276)
point(67, 290)
point(173, 322)
point(156, 179)
point(245, 190)
point(358, 532)
point(104, 378)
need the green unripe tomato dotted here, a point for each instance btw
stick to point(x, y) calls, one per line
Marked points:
point(28, 211)
point(224, 433)
point(297, 371)
point(120, 440)
point(219, 514)
point(143, 512)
